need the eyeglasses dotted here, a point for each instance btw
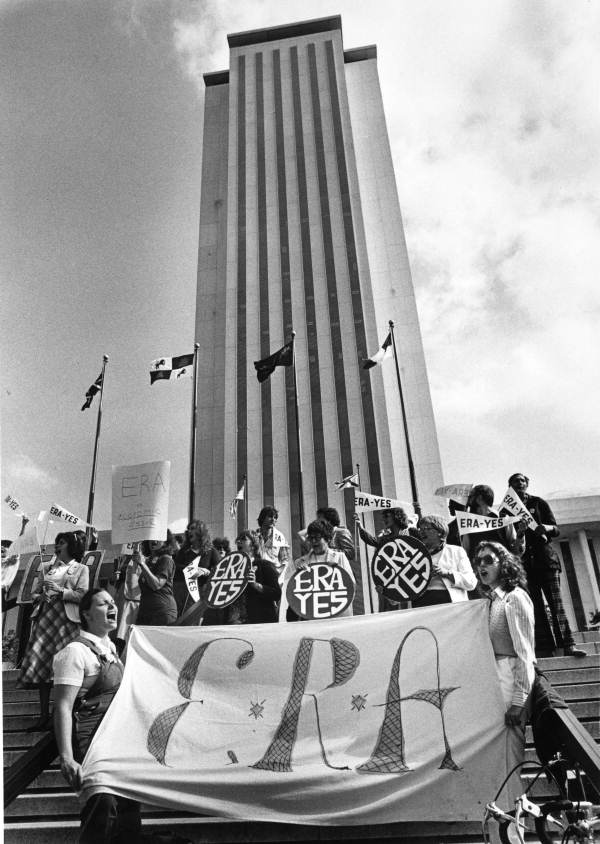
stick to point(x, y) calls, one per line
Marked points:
point(488, 560)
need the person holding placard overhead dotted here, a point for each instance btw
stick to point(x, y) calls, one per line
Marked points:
point(55, 619)
point(156, 570)
point(453, 576)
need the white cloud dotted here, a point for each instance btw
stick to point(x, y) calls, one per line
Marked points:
point(20, 470)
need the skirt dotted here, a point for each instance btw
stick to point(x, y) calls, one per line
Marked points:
point(51, 632)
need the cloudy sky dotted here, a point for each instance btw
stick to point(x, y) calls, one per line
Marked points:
point(493, 114)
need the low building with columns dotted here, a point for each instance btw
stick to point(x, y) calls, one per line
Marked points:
point(578, 518)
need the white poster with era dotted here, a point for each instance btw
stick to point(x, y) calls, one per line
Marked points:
point(514, 505)
point(140, 502)
point(360, 720)
point(472, 523)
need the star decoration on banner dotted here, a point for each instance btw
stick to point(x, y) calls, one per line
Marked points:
point(256, 709)
point(359, 702)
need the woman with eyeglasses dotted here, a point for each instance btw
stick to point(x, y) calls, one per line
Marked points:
point(502, 579)
point(55, 619)
point(452, 576)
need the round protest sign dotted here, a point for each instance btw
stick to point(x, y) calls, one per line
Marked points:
point(402, 567)
point(321, 590)
point(228, 580)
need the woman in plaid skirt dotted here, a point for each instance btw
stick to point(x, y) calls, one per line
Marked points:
point(55, 619)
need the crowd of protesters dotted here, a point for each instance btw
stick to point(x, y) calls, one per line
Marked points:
point(77, 633)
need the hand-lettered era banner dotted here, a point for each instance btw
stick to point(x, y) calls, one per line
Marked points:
point(372, 719)
point(140, 501)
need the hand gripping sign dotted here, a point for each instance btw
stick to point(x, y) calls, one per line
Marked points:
point(402, 567)
point(229, 579)
point(321, 590)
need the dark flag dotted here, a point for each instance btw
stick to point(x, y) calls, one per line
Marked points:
point(167, 369)
point(348, 481)
point(282, 357)
point(95, 387)
point(384, 351)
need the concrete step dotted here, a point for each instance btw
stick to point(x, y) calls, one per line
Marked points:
point(562, 662)
point(581, 674)
point(579, 691)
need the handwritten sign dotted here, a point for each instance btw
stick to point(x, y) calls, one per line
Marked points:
point(470, 523)
point(321, 590)
point(140, 501)
point(455, 492)
point(364, 501)
point(229, 579)
point(30, 578)
point(514, 505)
point(402, 567)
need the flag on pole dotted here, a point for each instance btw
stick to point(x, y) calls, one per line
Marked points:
point(168, 369)
point(282, 357)
point(92, 390)
point(234, 504)
point(385, 351)
point(350, 480)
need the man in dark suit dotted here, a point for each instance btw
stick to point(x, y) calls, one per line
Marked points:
point(542, 567)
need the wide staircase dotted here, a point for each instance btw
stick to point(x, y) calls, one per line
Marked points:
point(47, 810)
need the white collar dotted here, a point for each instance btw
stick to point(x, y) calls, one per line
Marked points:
point(498, 592)
point(103, 641)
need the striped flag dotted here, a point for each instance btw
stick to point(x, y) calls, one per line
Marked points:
point(234, 504)
point(351, 480)
point(91, 392)
point(169, 369)
point(385, 351)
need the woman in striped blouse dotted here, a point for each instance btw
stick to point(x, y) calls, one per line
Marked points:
point(502, 579)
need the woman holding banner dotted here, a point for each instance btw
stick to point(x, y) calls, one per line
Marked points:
point(156, 570)
point(511, 624)
point(55, 619)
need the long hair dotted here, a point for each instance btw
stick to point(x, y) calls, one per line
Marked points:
point(168, 547)
point(205, 537)
point(511, 572)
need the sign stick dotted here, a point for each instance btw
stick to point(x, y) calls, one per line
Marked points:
point(364, 567)
point(192, 494)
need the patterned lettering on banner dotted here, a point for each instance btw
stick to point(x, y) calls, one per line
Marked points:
point(402, 567)
point(320, 591)
point(229, 579)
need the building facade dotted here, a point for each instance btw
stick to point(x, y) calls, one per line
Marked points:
point(300, 230)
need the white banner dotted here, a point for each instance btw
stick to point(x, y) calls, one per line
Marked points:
point(364, 720)
point(140, 501)
point(471, 523)
point(61, 514)
point(364, 501)
point(514, 505)
point(456, 492)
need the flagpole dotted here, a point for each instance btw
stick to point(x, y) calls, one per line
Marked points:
point(411, 468)
point(192, 492)
point(365, 570)
point(300, 485)
point(90, 510)
point(245, 485)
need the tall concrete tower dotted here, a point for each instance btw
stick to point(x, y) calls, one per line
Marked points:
point(300, 229)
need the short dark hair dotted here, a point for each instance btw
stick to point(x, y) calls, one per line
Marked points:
point(253, 537)
point(518, 475)
point(320, 528)
point(73, 544)
point(86, 603)
point(482, 491)
point(267, 511)
point(329, 514)
point(511, 572)
point(221, 543)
